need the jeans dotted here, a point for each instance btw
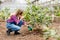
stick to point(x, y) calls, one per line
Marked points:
point(13, 26)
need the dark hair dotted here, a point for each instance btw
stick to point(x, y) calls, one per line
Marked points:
point(19, 12)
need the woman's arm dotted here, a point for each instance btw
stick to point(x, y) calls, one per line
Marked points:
point(22, 17)
point(15, 19)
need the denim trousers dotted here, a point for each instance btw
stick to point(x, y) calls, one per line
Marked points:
point(13, 26)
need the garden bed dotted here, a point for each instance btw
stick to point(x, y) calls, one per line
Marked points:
point(25, 34)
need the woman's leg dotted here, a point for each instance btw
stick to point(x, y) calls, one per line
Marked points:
point(9, 29)
point(20, 23)
point(13, 27)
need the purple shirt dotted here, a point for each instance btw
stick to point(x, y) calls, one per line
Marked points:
point(13, 18)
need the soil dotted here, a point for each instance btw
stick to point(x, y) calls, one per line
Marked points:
point(25, 34)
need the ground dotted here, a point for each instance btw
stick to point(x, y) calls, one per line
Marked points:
point(25, 34)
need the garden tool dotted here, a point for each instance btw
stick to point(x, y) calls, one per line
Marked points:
point(29, 28)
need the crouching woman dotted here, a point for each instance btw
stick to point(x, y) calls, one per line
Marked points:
point(15, 22)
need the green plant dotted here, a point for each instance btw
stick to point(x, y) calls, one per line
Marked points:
point(56, 9)
point(0, 2)
point(4, 13)
point(39, 15)
point(58, 13)
point(36, 14)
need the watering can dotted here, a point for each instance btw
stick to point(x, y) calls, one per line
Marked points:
point(29, 28)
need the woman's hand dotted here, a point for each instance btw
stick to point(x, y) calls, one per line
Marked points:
point(22, 18)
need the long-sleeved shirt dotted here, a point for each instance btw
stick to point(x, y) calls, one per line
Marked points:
point(13, 18)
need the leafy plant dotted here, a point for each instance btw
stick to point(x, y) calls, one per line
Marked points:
point(39, 15)
point(0, 1)
point(58, 14)
point(35, 15)
point(56, 9)
point(4, 13)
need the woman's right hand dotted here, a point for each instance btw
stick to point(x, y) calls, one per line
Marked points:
point(22, 18)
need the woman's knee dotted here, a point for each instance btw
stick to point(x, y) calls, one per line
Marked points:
point(15, 27)
point(12, 27)
point(18, 28)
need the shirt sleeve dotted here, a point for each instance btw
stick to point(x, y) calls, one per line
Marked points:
point(23, 22)
point(14, 18)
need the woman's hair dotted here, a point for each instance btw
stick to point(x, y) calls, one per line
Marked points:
point(19, 12)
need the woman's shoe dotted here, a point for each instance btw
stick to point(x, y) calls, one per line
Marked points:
point(8, 31)
point(16, 33)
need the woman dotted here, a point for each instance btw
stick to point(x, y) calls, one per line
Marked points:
point(15, 22)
